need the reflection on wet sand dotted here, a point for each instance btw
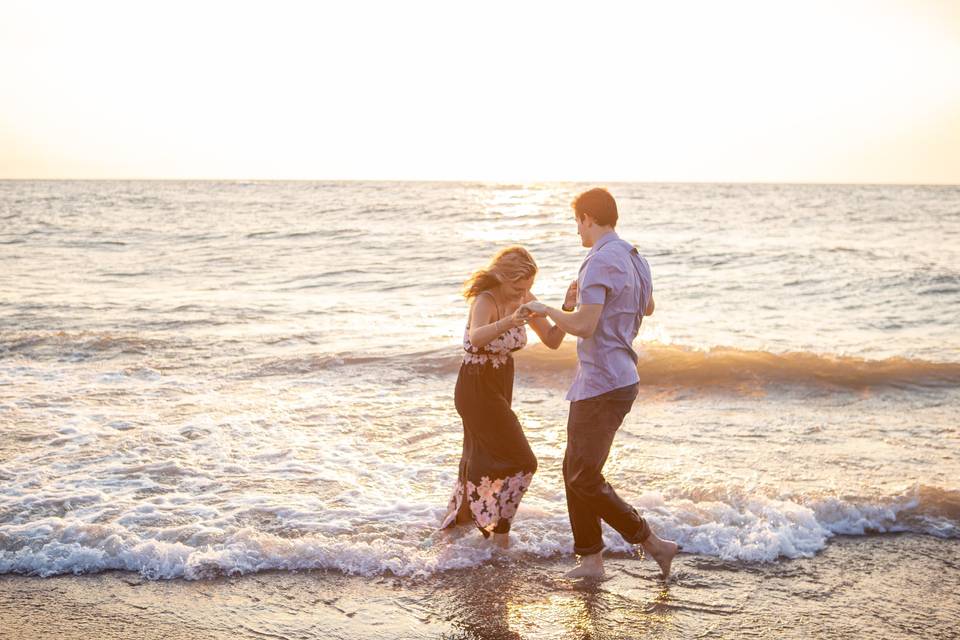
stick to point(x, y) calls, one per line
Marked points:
point(587, 610)
point(507, 602)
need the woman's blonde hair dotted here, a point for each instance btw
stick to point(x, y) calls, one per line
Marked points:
point(508, 265)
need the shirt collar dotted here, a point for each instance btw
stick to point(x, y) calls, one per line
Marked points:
point(609, 236)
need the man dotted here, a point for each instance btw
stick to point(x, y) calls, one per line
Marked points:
point(615, 291)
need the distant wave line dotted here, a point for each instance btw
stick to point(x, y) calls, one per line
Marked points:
point(660, 365)
point(679, 366)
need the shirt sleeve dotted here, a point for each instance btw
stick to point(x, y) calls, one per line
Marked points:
point(646, 282)
point(594, 282)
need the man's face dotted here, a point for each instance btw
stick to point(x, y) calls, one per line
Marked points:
point(582, 225)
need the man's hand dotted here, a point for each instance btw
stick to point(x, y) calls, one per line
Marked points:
point(570, 300)
point(536, 308)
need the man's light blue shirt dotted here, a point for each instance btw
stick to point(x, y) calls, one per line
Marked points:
point(615, 275)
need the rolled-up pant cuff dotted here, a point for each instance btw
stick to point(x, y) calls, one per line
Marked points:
point(588, 551)
point(638, 537)
point(642, 532)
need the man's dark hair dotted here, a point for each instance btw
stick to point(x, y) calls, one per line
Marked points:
point(599, 205)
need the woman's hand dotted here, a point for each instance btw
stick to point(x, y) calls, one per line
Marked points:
point(519, 317)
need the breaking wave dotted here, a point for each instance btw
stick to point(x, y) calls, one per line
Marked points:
point(730, 523)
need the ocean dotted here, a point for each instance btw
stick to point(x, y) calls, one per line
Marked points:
point(208, 380)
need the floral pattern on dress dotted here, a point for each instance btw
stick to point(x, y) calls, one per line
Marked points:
point(497, 350)
point(490, 501)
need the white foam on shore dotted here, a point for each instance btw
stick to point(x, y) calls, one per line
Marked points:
point(743, 527)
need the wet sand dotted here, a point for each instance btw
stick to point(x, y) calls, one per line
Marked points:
point(883, 586)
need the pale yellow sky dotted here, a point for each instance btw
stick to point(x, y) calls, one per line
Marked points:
point(759, 91)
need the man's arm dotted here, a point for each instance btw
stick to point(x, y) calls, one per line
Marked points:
point(650, 306)
point(550, 334)
point(581, 323)
point(591, 290)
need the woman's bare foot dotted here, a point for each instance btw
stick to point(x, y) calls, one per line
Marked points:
point(502, 540)
point(590, 566)
point(662, 551)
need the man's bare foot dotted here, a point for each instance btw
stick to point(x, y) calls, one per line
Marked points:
point(501, 540)
point(662, 551)
point(590, 566)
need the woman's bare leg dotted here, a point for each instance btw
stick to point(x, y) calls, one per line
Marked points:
point(463, 513)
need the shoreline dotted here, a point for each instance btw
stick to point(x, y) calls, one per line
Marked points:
point(878, 586)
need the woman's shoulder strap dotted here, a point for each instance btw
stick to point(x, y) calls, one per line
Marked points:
point(494, 298)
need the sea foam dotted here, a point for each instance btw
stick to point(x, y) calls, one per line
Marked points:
point(747, 527)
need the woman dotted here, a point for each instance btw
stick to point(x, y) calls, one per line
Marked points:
point(497, 464)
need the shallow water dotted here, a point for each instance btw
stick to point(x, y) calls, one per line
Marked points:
point(891, 586)
point(199, 379)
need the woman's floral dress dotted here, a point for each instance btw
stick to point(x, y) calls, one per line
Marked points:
point(497, 464)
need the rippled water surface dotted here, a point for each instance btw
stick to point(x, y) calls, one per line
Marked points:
point(204, 378)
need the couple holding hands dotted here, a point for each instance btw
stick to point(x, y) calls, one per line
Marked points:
point(603, 308)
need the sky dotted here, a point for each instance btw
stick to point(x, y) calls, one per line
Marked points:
point(740, 91)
